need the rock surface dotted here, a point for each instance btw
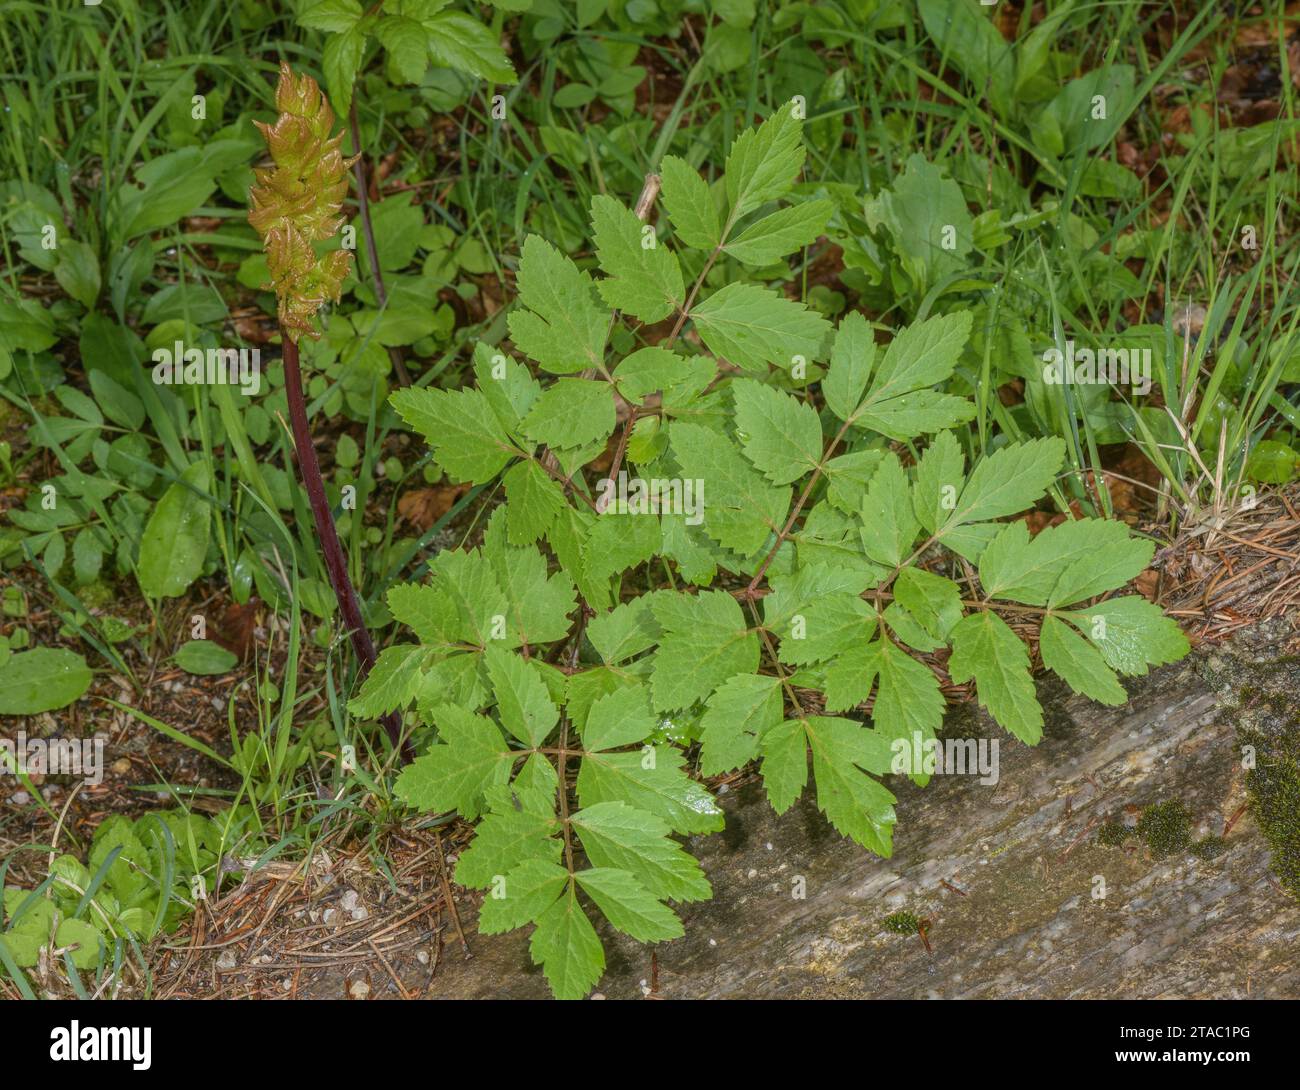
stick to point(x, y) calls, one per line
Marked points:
point(1044, 908)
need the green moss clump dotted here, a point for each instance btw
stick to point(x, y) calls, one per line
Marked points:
point(1209, 847)
point(1166, 828)
point(902, 923)
point(1274, 790)
point(1114, 833)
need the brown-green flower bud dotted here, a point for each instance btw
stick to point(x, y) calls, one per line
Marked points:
point(298, 200)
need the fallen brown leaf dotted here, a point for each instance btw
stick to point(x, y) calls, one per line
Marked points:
point(422, 507)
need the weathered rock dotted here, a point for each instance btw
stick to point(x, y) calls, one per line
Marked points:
point(1045, 908)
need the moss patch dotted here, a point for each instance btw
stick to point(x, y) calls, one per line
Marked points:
point(1209, 847)
point(1166, 827)
point(1114, 833)
point(1274, 790)
point(902, 923)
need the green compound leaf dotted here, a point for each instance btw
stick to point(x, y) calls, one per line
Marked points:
point(1007, 482)
point(523, 702)
point(705, 642)
point(563, 327)
point(616, 835)
point(573, 413)
point(1131, 633)
point(690, 205)
point(454, 774)
point(522, 896)
point(567, 948)
point(740, 711)
point(643, 278)
point(629, 906)
point(763, 162)
point(1078, 663)
point(1062, 564)
point(651, 779)
point(780, 435)
point(753, 326)
point(658, 666)
point(852, 358)
point(742, 510)
point(467, 437)
point(985, 649)
point(856, 804)
point(781, 233)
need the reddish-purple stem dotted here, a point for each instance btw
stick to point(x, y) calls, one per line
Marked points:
point(331, 547)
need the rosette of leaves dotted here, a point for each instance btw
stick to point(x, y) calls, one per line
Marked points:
point(851, 553)
point(139, 882)
point(413, 34)
point(297, 201)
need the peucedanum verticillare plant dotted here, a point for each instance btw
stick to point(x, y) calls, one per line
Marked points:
point(572, 660)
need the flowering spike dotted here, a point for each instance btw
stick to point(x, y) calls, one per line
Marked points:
point(297, 202)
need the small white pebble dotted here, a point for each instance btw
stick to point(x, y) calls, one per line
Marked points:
point(287, 984)
point(597, 995)
point(769, 845)
point(349, 900)
point(328, 917)
point(20, 798)
point(360, 912)
point(713, 942)
point(359, 990)
point(752, 873)
point(422, 956)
